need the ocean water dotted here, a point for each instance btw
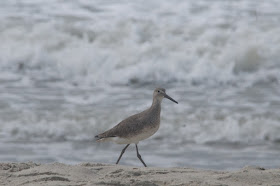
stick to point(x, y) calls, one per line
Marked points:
point(72, 69)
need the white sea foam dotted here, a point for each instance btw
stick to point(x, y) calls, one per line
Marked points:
point(96, 43)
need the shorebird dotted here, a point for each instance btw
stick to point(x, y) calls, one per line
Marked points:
point(137, 127)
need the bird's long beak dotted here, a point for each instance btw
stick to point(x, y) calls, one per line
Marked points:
point(168, 97)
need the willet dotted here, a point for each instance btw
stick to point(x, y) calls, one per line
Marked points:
point(137, 127)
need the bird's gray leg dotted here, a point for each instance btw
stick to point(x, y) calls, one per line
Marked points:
point(139, 156)
point(122, 153)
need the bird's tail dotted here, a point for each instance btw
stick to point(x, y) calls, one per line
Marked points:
point(98, 137)
point(103, 137)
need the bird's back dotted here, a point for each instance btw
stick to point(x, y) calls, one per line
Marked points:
point(146, 121)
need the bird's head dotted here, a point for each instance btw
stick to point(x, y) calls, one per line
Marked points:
point(159, 94)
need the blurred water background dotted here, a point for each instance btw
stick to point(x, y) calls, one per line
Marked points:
point(72, 69)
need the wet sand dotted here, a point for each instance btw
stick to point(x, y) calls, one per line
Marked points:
point(31, 174)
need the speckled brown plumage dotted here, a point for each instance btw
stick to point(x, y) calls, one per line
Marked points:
point(135, 124)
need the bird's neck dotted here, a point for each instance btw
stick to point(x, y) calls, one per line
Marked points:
point(155, 111)
point(156, 104)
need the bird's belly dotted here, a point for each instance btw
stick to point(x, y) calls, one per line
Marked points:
point(144, 134)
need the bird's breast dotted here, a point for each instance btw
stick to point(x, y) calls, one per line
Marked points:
point(145, 133)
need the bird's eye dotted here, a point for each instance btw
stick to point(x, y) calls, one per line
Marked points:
point(158, 91)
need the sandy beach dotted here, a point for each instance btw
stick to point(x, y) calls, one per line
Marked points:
point(30, 173)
